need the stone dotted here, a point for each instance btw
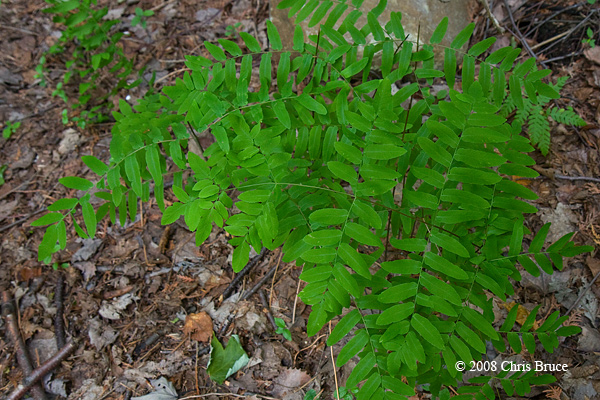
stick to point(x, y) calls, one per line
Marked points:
point(419, 18)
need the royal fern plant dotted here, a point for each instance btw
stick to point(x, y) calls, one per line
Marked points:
point(396, 201)
point(535, 114)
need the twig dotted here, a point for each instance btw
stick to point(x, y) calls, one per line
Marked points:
point(8, 310)
point(518, 32)
point(12, 28)
point(536, 26)
point(240, 275)
point(59, 323)
point(337, 389)
point(563, 35)
point(578, 178)
point(111, 294)
point(43, 370)
point(263, 300)
point(491, 16)
point(167, 76)
point(587, 288)
point(550, 40)
point(295, 302)
point(226, 324)
point(145, 344)
point(245, 296)
point(25, 218)
point(273, 280)
point(265, 278)
point(197, 140)
point(158, 7)
point(553, 59)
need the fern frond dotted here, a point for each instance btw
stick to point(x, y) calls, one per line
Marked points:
point(566, 116)
point(539, 128)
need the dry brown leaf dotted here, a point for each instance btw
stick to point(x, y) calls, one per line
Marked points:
point(199, 326)
point(593, 264)
point(593, 54)
point(288, 381)
point(522, 312)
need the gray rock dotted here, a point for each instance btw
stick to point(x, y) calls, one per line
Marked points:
point(419, 18)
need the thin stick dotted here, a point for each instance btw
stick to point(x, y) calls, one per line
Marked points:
point(197, 140)
point(564, 35)
point(8, 310)
point(196, 371)
point(19, 222)
point(170, 74)
point(536, 26)
point(263, 300)
point(587, 288)
point(273, 280)
point(550, 40)
point(12, 28)
point(337, 388)
point(245, 296)
point(295, 302)
point(491, 16)
point(578, 178)
point(59, 323)
point(240, 275)
point(553, 59)
point(265, 278)
point(158, 7)
point(518, 32)
point(43, 370)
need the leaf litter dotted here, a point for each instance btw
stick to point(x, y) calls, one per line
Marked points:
point(107, 365)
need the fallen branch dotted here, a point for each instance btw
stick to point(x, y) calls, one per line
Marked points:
point(518, 33)
point(240, 275)
point(578, 178)
point(20, 221)
point(263, 300)
point(491, 16)
point(8, 311)
point(262, 281)
point(563, 36)
point(587, 288)
point(59, 323)
point(245, 296)
point(43, 370)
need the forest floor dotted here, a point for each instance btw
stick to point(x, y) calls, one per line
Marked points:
point(128, 292)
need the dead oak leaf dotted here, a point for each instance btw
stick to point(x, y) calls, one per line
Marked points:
point(199, 326)
point(289, 381)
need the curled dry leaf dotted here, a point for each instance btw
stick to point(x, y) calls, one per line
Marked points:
point(199, 326)
point(593, 54)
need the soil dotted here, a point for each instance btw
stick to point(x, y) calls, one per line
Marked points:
point(139, 300)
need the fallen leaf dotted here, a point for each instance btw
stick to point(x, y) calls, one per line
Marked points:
point(522, 312)
point(288, 381)
point(593, 264)
point(87, 268)
point(29, 273)
point(89, 248)
point(163, 390)
point(593, 54)
point(101, 334)
point(199, 326)
point(225, 362)
point(113, 309)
